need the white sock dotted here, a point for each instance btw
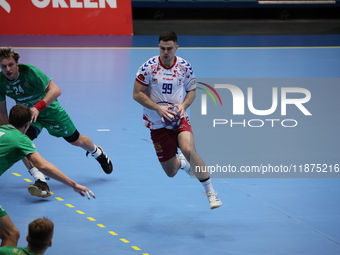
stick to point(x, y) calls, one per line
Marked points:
point(37, 174)
point(208, 185)
point(183, 164)
point(96, 152)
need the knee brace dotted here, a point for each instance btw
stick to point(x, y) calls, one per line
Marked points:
point(72, 138)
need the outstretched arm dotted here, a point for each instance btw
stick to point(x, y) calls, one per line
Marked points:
point(52, 171)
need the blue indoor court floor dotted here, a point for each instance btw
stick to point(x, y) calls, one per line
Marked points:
point(138, 209)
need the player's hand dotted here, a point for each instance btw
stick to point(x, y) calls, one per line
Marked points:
point(82, 190)
point(35, 114)
point(181, 110)
point(163, 111)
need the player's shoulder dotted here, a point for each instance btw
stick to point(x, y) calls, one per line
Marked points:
point(28, 69)
point(184, 65)
point(182, 62)
point(150, 63)
point(25, 67)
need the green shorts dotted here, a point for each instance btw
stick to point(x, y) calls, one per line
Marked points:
point(57, 122)
point(2, 212)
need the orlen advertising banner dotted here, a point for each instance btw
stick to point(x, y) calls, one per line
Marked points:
point(66, 17)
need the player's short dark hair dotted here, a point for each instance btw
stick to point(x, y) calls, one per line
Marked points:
point(19, 115)
point(168, 36)
point(40, 233)
point(7, 52)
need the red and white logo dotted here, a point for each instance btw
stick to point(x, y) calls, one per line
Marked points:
point(78, 17)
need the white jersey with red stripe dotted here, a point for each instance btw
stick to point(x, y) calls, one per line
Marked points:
point(165, 86)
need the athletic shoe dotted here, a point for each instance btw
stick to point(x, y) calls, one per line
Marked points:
point(214, 201)
point(104, 161)
point(39, 189)
point(187, 165)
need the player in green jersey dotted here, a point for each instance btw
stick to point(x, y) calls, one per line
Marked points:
point(27, 85)
point(15, 145)
point(39, 238)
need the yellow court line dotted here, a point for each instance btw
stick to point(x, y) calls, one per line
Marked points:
point(124, 240)
point(90, 218)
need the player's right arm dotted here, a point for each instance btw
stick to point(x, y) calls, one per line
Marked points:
point(140, 96)
point(3, 113)
point(52, 171)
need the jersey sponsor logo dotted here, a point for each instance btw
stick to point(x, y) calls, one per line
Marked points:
point(12, 83)
point(167, 79)
point(24, 99)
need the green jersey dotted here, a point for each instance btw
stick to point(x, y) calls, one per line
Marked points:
point(9, 250)
point(28, 89)
point(14, 146)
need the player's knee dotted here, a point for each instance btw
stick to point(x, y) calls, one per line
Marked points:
point(170, 173)
point(72, 139)
point(170, 170)
point(186, 152)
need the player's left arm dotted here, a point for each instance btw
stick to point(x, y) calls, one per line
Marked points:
point(53, 92)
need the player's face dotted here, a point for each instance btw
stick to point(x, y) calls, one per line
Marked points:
point(10, 68)
point(167, 52)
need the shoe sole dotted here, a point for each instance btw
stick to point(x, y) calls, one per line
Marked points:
point(110, 170)
point(35, 191)
point(215, 206)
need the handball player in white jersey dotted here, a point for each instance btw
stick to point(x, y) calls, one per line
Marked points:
point(162, 82)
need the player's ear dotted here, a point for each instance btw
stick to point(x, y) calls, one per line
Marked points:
point(26, 126)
